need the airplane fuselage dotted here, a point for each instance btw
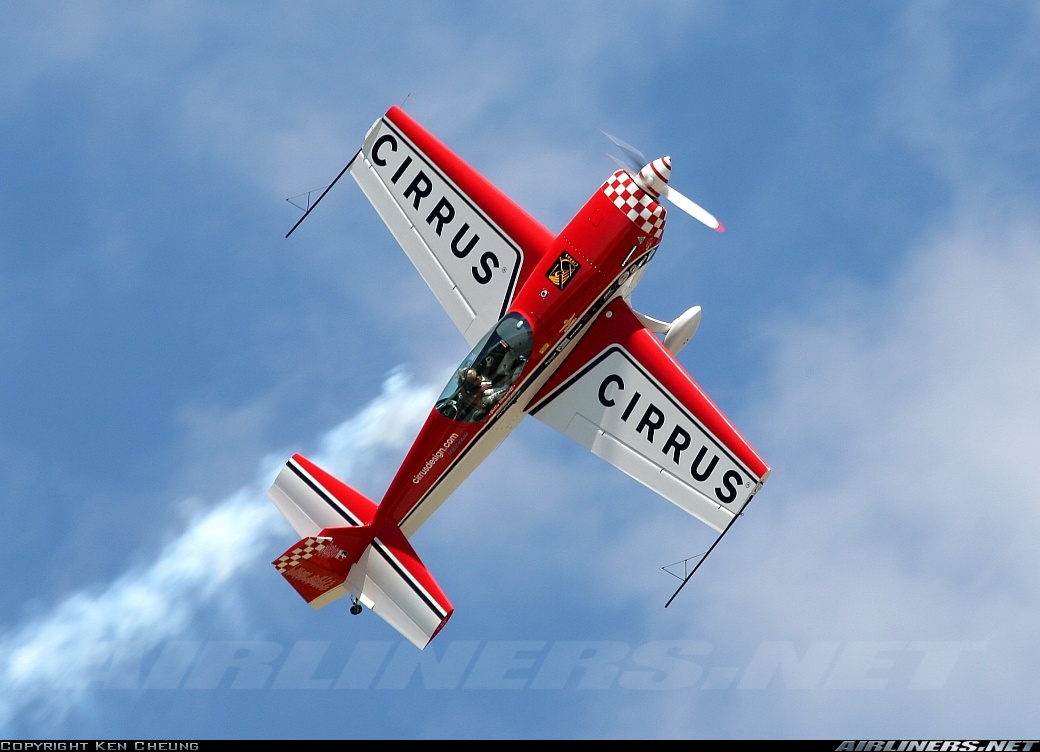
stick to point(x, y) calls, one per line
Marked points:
point(600, 255)
point(553, 336)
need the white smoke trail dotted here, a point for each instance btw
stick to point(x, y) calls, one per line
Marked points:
point(47, 663)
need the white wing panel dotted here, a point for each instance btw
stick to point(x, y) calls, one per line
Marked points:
point(468, 262)
point(389, 588)
point(309, 510)
point(616, 409)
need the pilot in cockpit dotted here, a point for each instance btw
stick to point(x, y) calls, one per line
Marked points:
point(470, 381)
point(477, 389)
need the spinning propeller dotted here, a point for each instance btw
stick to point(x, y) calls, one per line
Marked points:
point(653, 178)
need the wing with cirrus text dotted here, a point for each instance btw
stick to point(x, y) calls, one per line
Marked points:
point(621, 394)
point(469, 241)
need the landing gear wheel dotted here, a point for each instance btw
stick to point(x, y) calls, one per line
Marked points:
point(355, 607)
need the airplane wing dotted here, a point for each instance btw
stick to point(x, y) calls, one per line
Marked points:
point(621, 394)
point(469, 241)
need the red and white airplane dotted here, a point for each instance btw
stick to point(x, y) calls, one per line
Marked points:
point(553, 336)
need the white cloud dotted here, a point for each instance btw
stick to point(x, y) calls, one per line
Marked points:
point(47, 662)
point(963, 87)
point(902, 423)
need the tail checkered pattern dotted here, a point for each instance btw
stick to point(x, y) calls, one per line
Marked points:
point(308, 547)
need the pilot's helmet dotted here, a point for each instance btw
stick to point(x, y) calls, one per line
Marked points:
point(470, 376)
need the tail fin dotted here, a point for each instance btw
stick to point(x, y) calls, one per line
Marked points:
point(334, 559)
point(313, 500)
point(317, 566)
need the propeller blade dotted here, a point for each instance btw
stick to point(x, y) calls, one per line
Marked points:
point(634, 162)
point(692, 209)
point(620, 163)
point(636, 158)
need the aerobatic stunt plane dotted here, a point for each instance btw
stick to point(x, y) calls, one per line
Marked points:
point(553, 336)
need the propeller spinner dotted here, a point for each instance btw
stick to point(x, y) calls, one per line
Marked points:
point(653, 176)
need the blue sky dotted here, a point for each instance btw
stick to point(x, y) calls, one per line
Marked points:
point(870, 323)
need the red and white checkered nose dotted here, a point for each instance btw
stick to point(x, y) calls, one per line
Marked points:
point(654, 176)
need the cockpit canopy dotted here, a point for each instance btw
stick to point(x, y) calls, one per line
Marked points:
point(489, 371)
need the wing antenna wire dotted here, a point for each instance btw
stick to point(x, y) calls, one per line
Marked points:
point(686, 567)
point(698, 564)
point(310, 208)
point(292, 199)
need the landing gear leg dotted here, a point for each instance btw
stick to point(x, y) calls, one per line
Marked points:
point(355, 607)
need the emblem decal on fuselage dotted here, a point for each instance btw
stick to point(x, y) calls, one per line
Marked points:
point(563, 270)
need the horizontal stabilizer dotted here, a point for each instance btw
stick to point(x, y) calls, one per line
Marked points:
point(346, 551)
point(392, 581)
point(312, 499)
